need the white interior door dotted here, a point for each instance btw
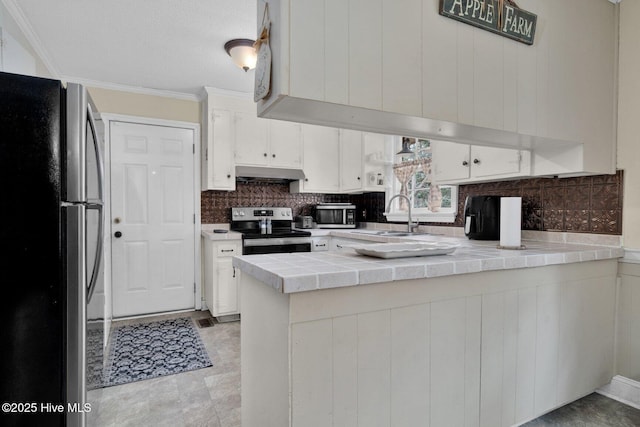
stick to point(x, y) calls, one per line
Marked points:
point(152, 218)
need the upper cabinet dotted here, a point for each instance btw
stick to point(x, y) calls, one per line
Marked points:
point(233, 135)
point(458, 163)
point(262, 142)
point(401, 68)
point(218, 170)
point(321, 160)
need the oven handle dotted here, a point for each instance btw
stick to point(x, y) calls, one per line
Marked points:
point(277, 241)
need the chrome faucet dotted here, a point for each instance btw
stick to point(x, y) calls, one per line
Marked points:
point(410, 225)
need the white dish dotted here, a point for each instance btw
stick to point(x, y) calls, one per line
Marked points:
point(403, 250)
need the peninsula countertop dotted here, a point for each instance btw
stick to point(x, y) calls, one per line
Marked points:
point(299, 272)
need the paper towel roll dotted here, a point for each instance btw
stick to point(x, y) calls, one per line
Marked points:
point(510, 212)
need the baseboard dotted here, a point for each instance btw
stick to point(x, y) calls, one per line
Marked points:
point(623, 390)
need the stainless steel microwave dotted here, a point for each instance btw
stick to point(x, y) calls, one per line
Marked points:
point(335, 215)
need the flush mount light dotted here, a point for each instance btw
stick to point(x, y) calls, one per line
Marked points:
point(242, 53)
point(406, 142)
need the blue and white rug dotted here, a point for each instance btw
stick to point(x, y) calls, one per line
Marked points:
point(150, 350)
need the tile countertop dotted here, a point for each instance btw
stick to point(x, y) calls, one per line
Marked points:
point(207, 232)
point(299, 272)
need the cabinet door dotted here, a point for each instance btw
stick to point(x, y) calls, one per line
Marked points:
point(222, 173)
point(226, 289)
point(351, 160)
point(285, 144)
point(250, 139)
point(489, 162)
point(321, 148)
point(450, 161)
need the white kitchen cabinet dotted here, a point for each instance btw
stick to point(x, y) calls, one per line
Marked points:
point(262, 142)
point(321, 160)
point(351, 178)
point(221, 279)
point(558, 95)
point(359, 165)
point(251, 144)
point(285, 144)
point(218, 171)
point(456, 163)
point(320, 243)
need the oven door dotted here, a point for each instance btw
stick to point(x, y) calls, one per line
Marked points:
point(278, 245)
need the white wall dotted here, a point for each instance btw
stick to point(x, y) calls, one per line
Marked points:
point(7, 23)
point(628, 123)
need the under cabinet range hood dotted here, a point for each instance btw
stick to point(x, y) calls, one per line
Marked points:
point(269, 173)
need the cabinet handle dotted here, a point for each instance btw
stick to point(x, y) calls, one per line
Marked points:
point(226, 250)
point(465, 163)
point(234, 272)
point(476, 161)
point(321, 246)
point(265, 154)
point(273, 155)
point(358, 178)
point(306, 179)
point(228, 175)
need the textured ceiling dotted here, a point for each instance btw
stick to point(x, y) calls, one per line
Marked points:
point(172, 45)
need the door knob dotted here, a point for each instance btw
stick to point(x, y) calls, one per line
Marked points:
point(118, 234)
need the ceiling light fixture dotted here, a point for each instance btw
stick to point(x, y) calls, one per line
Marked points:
point(406, 149)
point(242, 53)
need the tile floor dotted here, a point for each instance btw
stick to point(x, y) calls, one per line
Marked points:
point(593, 410)
point(211, 396)
point(205, 397)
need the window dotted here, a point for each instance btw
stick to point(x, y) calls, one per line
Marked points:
point(429, 202)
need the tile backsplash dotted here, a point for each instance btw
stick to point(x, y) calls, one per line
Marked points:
point(587, 204)
point(216, 205)
point(590, 204)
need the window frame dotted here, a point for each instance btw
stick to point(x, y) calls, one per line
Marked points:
point(444, 215)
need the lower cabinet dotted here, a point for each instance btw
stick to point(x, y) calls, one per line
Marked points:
point(221, 278)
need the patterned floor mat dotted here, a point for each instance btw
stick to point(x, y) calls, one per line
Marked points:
point(150, 350)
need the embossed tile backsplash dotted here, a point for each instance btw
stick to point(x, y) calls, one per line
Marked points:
point(591, 204)
point(588, 204)
point(216, 205)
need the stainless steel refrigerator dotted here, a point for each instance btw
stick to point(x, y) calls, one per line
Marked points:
point(51, 232)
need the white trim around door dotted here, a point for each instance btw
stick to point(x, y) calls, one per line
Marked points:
point(195, 127)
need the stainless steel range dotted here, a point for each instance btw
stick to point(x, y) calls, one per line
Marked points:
point(268, 231)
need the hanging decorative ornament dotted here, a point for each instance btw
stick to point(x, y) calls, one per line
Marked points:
point(262, 86)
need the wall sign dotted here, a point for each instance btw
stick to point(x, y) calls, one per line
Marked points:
point(502, 17)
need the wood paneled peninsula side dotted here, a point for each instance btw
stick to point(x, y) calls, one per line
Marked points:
point(480, 337)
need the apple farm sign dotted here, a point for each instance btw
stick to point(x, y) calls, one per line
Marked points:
point(502, 17)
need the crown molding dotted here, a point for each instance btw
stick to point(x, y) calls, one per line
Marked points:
point(132, 89)
point(31, 36)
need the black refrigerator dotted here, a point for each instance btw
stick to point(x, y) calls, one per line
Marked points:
point(51, 232)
